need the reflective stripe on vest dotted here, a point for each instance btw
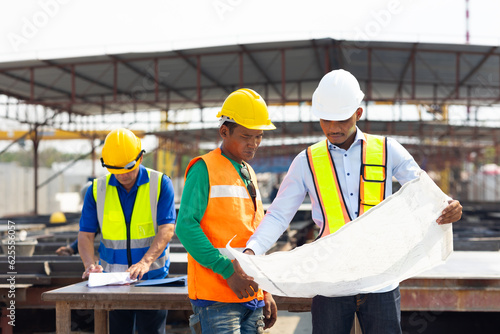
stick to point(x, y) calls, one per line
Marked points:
point(143, 225)
point(325, 179)
point(231, 191)
point(373, 172)
point(230, 213)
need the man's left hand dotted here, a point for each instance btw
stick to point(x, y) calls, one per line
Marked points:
point(138, 270)
point(270, 310)
point(65, 251)
point(450, 214)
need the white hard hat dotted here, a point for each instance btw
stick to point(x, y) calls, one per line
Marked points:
point(337, 96)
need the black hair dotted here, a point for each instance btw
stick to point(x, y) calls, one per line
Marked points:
point(231, 126)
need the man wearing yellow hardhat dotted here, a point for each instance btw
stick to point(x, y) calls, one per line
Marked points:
point(331, 172)
point(133, 206)
point(221, 200)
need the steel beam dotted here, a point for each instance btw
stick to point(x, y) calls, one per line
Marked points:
point(36, 141)
point(457, 75)
point(337, 49)
point(157, 80)
point(240, 65)
point(75, 74)
point(473, 70)
point(197, 66)
point(328, 65)
point(55, 105)
point(34, 83)
point(259, 68)
point(145, 74)
point(283, 75)
point(317, 56)
point(370, 79)
point(256, 50)
point(409, 61)
point(115, 80)
point(198, 85)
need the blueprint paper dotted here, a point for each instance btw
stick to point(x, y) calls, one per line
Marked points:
point(102, 279)
point(393, 241)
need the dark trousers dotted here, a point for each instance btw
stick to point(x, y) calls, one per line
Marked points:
point(144, 321)
point(378, 313)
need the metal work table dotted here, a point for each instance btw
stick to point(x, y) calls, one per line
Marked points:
point(103, 299)
point(468, 281)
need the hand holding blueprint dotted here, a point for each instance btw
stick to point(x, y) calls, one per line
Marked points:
point(393, 241)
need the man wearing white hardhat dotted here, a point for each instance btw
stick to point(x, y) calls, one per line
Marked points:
point(331, 172)
point(134, 209)
point(221, 203)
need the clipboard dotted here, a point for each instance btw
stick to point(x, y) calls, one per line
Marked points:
point(170, 281)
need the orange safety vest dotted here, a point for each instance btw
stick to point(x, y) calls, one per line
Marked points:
point(372, 181)
point(230, 212)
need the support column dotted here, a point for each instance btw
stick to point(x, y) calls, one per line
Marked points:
point(36, 141)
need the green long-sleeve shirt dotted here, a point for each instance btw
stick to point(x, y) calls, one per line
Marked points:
point(193, 205)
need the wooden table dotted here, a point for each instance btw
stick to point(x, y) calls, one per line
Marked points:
point(469, 281)
point(104, 299)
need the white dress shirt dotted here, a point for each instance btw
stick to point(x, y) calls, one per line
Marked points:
point(298, 182)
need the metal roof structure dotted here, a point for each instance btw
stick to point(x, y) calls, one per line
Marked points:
point(469, 135)
point(283, 72)
point(78, 93)
point(439, 140)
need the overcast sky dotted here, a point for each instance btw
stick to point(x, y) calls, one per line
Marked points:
point(63, 28)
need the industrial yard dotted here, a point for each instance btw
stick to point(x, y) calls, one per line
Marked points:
point(438, 97)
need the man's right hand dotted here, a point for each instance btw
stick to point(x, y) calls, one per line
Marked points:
point(241, 284)
point(92, 269)
point(248, 251)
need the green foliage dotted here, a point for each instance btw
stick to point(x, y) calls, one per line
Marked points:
point(148, 161)
point(46, 157)
point(23, 158)
point(489, 155)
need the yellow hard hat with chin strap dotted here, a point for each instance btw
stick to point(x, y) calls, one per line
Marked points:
point(247, 108)
point(121, 152)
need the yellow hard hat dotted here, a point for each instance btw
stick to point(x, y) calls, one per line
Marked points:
point(57, 218)
point(121, 152)
point(247, 108)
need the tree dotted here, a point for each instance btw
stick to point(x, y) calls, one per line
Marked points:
point(46, 157)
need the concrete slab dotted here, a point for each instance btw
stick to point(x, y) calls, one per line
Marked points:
point(292, 323)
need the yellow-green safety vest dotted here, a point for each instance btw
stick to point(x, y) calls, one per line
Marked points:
point(143, 226)
point(372, 183)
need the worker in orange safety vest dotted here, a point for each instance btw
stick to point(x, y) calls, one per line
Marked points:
point(221, 202)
